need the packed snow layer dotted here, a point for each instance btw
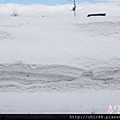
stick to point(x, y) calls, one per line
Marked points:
point(22, 77)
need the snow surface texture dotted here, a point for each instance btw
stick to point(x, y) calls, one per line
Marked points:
point(90, 102)
point(52, 54)
point(68, 61)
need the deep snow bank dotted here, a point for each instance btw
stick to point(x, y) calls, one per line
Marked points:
point(66, 54)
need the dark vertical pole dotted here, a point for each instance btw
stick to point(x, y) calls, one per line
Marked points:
point(75, 9)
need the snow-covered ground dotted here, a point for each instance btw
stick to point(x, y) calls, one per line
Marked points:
point(59, 65)
point(85, 102)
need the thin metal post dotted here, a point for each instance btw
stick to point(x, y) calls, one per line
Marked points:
point(74, 8)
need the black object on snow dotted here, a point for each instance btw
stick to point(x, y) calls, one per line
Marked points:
point(99, 14)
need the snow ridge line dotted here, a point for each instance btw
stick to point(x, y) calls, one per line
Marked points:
point(21, 77)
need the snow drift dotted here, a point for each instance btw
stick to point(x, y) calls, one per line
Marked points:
point(55, 54)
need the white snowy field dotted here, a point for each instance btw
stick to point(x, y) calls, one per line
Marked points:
point(59, 65)
point(82, 102)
